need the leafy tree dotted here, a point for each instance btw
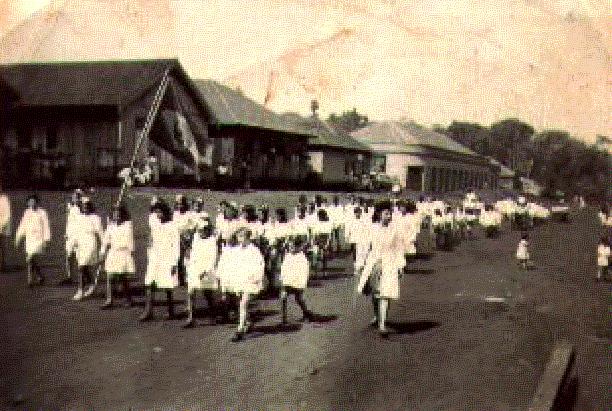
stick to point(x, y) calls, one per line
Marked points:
point(348, 121)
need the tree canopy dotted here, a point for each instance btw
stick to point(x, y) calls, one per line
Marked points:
point(348, 121)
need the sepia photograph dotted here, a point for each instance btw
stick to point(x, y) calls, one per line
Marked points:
point(305, 205)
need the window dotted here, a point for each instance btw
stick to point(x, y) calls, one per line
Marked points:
point(51, 140)
point(24, 136)
point(379, 164)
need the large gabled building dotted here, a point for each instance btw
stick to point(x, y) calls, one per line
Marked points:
point(424, 160)
point(78, 123)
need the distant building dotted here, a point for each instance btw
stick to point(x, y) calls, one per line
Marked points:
point(78, 122)
point(423, 160)
point(505, 177)
point(334, 158)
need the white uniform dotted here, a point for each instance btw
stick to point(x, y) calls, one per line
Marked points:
point(34, 227)
point(5, 215)
point(241, 269)
point(603, 255)
point(163, 255)
point(295, 270)
point(87, 231)
point(72, 213)
point(359, 234)
point(202, 259)
point(384, 262)
point(120, 259)
point(522, 253)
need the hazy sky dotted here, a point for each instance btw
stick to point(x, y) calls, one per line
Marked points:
point(433, 61)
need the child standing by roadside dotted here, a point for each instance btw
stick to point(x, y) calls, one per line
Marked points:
point(522, 251)
point(603, 259)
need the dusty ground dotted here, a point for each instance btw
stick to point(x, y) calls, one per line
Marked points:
point(450, 348)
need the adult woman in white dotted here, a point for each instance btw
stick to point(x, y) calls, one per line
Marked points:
point(163, 257)
point(118, 249)
point(34, 228)
point(5, 226)
point(384, 263)
point(87, 239)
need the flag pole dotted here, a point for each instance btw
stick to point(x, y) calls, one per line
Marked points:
point(144, 133)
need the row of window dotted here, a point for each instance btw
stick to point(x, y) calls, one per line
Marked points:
point(447, 179)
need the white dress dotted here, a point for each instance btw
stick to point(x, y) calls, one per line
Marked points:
point(522, 253)
point(87, 233)
point(34, 227)
point(5, 215)
point(241, 269)
point(603, 255)
point(384, 262)
point(202, 259)
point(119, 259)
point(295, 270)
point(72, 214)
point(163, 255)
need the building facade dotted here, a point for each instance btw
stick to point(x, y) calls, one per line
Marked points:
point(423, 160)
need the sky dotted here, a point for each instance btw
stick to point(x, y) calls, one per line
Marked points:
point(431, 61)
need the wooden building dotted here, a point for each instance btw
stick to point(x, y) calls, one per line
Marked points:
point(423, 160)
point(77, 123)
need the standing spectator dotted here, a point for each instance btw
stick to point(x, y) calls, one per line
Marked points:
point(221, 175)
point(154, 166)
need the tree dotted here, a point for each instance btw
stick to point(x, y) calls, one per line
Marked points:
point(510, 140)
point(348, 121)
point(472, 135)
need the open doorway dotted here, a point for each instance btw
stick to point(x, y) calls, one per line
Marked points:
point(414, 178)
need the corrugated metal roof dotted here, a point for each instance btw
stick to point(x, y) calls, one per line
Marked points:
point(401, 136)
point(232, 107)
point(325, 135)
point(95, 83)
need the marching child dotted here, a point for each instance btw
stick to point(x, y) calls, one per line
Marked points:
point(73, 210)
point(162, 264)
point(245, 267)
point(603, 259)
point(522, 251)
point(34, 227)
point(202, 258)
point(118, 249)
point(87, 240)
point(294, 273)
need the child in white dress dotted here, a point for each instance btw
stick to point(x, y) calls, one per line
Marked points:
point(522, 251)
point(246, 265)
point(117, 251)
point(603, 258)
point(87, 241)
point(73, 210)
point(201, 259)
point(294, 273)
point(163, 259)
point(34, 228)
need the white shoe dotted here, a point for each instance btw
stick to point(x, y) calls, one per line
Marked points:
point(78, 296)
point(89, 291)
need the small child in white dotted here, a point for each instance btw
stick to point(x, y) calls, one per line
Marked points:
point(522, 251)
point(201, 260)
point(294, 273)
point(34, 227)
point(118, 249)
point(603, 259)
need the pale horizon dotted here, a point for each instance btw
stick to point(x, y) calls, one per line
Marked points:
point(544, 62)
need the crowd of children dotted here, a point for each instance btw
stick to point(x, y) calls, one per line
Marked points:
point(243, 251)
